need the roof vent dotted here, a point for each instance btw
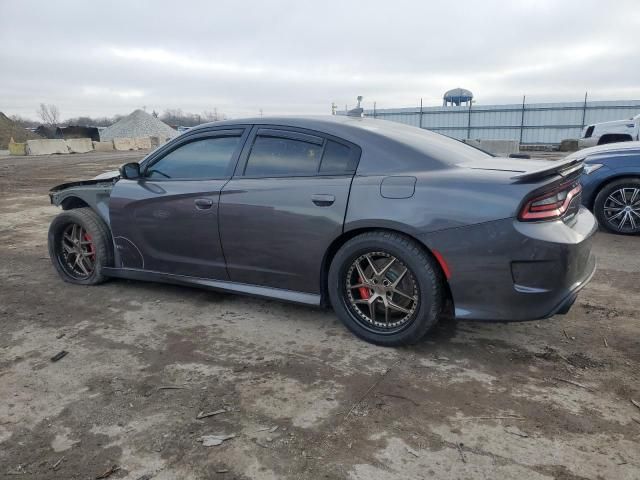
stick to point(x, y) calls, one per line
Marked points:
point(358, 111)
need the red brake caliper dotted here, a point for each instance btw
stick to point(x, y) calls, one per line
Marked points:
point(92, 248)
point(365, 294)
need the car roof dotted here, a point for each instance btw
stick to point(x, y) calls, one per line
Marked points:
point(387, 147)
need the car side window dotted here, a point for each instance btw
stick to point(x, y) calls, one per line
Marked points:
point(281, 157)
point(200, 159)
point(337, 158)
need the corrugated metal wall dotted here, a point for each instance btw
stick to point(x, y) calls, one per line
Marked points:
point(536, 123)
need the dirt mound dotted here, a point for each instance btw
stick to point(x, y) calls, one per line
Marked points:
point(10, 129)
point(138, 124)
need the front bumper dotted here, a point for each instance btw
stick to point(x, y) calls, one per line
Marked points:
point(512, 271)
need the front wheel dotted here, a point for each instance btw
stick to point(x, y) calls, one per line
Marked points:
point(385, 288)
point(617, 206)
point(80, 246)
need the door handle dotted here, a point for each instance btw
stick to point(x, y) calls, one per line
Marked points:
point(203, 203)
point(323, 199)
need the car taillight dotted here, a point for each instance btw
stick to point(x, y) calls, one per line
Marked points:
point(550, 205)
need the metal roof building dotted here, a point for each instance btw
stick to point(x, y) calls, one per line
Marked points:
point(532, 123)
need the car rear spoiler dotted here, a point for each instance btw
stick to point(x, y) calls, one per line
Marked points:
point(562, 168)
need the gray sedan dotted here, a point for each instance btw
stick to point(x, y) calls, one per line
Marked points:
point(391, 225)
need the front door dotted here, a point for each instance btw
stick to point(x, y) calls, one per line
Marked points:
point(167, 221)
point(284, 207)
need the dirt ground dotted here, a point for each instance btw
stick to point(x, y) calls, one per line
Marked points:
point(303, 397)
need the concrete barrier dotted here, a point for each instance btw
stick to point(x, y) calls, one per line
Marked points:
point(17, 148)
point(46, 147)
point(103, 146)
point(569, 145)
point(143, 143)
point(497, 147)
point(157, 141)
point(124, 144)
point(79, 145)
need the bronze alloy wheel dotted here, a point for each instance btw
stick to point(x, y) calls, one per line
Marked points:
point(382, 291)
point(76, 251)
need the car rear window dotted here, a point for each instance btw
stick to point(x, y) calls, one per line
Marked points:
point(337, 158)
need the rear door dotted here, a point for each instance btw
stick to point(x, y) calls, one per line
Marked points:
point(284, 206)
point(167, 221)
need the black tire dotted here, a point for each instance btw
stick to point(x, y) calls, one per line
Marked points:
point(427, 280)
point(602, 205)
point(99, 247)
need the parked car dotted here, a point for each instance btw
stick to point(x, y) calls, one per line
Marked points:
point(611, 185)
point(610, 132)
point(387, 223)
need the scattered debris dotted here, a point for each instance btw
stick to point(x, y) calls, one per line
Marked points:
point(259, 444)
point(171, 387)
point(56, 465)
point(565, 333)
point(462, 456)
point(413, 452)
point(375, 384)
point(222, 470)
point(210, 414)
point(637, 404)
point(214, 440)
point(604, 339)
point(500, 417)
point(60, 335)
point(635, 420)
point(273, 429)
point(146, 476)
point(516, 432)
point(401, 397)
point(61, 354)
point(112, 469)
point(571, 382)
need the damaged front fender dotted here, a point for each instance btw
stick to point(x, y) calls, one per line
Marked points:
point(88, 193)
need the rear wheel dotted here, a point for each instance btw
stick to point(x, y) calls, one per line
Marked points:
point(80, 246)
point(385, 288)
point(617, 206)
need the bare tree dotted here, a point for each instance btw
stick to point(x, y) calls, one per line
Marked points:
point(49, 114)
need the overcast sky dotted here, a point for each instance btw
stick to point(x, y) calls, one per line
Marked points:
point(288, 57)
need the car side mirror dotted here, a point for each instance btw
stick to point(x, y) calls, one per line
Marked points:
point(130, 171)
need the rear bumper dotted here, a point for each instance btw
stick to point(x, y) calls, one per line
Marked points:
point(512, 271)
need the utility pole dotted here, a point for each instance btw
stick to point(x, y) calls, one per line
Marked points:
point(584, 110)
point(334, 108)
point(420, 120)
point(524, 98)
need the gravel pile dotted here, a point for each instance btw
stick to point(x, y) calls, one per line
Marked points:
point(9, 129)
point(138, 124)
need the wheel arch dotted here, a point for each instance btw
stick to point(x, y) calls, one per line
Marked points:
point(349, 234)
point(614, 138)
point(73, 202)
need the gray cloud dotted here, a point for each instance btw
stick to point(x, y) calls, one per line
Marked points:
point(297, 57)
